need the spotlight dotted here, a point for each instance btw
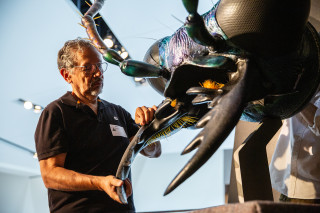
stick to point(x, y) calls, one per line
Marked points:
point(28, 105)
point(109, 42)
point(35, 155)
point(37, 109)
point(139, 81)
point(136, 79)
point(124, 53)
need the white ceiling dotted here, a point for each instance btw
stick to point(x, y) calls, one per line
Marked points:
point(33, 31)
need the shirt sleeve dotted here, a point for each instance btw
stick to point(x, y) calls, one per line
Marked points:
point(50, 138)
point(132, 127)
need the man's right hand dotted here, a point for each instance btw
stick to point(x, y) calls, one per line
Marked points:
point(109, 184)
point(144, 115)
point(55, 176)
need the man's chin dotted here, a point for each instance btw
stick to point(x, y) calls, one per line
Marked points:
point(96, 92)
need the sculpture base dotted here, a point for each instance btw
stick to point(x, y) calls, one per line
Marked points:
point(262, 207)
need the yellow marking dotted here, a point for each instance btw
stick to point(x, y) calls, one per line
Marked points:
point(97, 25)
point(178, 124)
point(82, 25)
point(174, 103)
point(88, 4)
point(209, 84)
point(97, 17)
point(79, 13)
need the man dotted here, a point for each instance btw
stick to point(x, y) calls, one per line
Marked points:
point(81, 138)
point(295, 165)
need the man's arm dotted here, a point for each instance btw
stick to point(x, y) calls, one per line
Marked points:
point(55, 176)
point(144, 116)
point(308, 113)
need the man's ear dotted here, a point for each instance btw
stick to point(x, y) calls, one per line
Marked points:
point(66, 75)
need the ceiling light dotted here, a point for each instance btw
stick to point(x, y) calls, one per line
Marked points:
point(124, 54)
point(35, 156)
point(139, 81)
point(28, 105)
point(37, 109)
point(136, 79)
point(108, 42)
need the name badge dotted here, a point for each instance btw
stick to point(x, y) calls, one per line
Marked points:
point(118, 130)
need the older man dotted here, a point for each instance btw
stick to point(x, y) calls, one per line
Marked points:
point(81, 138)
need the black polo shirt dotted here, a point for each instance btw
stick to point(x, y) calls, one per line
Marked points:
point(94, 145)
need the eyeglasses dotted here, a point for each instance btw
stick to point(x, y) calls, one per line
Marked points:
point(90, 69)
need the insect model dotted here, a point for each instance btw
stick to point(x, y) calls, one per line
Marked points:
point(243, 59)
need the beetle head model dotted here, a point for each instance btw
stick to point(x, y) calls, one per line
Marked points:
point(243, 59)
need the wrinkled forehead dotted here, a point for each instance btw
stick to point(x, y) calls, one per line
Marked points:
point(87, 54)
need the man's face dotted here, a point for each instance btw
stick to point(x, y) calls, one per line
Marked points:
point(82, 83)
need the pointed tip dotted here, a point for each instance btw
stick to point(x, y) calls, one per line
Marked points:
point(165, 193)
point(122, 194)
point(168, 190)
point(185, 151)
point(97, 17)
point(82, 25)
point(192, 145)
point(179, 179)
point(88, 3)
point(205, 119)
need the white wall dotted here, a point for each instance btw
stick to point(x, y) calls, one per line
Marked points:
point(151, 177)
point(20, 194)
point(23, 194)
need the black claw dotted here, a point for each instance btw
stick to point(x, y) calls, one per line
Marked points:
point(204, 95)
point(214, 134)
point(122, 194)
point(195, 143)
point(203, 90)
point(123, 171)
point(201, 99)
point(214, 102)
point(219, 123)
point(205, 119)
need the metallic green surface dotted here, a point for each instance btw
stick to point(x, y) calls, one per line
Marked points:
point(197, 30)
point(140, 69)
point(212, 62)
point(191, 5)
point(112, 57)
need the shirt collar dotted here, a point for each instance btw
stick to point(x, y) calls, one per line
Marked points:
point(68, 99)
